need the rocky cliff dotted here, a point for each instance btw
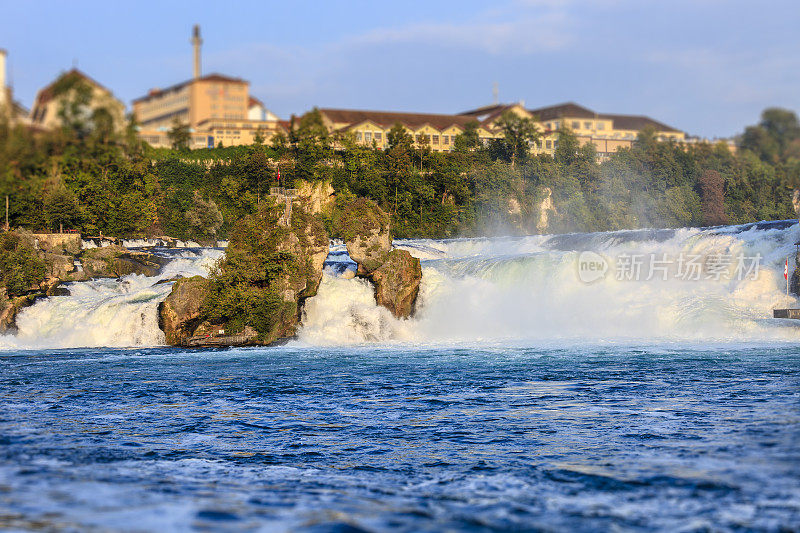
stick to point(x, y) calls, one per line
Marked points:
point(255, 294)
point(395, 274)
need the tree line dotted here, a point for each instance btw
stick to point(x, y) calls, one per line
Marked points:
point(92, 176)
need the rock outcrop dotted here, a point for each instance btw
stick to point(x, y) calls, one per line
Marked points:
point(256, 293)
point(115, 261)
point(395, 274)
point(181, 313)
point(366, 232)
point(317, 197)
point(397, 283)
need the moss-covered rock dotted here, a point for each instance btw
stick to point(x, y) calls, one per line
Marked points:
point(269, 269)
point(181, 313)
point(365, 228)
point(115, 261)
point(397, 283)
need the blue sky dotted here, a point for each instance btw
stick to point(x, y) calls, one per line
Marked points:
point(705, 66)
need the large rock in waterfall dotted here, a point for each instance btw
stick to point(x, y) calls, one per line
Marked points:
point(365, 229)
point(181, 313)
point(115, 261)
point(256, 292)
point(397, 282)
point(395, 274)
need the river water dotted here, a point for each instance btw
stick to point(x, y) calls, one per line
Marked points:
point(522, 396)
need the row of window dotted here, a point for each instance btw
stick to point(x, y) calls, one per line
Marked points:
point(575, 125)
point(368, 136)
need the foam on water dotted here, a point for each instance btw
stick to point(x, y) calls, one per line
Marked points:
point(483, 290)
point(106, 312)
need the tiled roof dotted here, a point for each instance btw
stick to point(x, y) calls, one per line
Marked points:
point(636, 122)
point(568, 109)
point(46, 94)
point(387, 119)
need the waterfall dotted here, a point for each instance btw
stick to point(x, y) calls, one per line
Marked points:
point(544, 288)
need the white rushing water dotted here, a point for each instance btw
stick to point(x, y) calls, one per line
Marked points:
point(527, 289)
point(530, 289)
point(106, 312)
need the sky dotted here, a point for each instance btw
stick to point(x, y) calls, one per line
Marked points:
point(708, 67)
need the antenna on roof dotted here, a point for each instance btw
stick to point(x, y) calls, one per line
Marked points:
point(197, 41)
point(495, 93)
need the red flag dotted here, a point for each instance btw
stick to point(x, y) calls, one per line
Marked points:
point(786, 269)
point(279, 175)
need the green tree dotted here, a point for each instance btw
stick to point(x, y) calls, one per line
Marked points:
point(61, 207)
point(519, 134)
point(204, 217)
point(179, 135)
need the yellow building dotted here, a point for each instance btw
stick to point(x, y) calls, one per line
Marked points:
point(217, 109)
point(607, 132)
point(49, 102)
point(10, 109)
point(372, 127)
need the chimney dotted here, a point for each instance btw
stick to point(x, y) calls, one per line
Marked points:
point(196, 43)
point(3, 89)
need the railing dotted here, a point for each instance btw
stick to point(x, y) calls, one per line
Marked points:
point(282, 191)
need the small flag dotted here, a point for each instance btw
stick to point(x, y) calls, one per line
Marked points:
point(786, 269)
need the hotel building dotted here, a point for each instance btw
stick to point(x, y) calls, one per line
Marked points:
point(218, 110)
point(607, 132)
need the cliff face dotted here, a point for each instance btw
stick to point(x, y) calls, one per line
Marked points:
point(365, 229)
point(181, 313)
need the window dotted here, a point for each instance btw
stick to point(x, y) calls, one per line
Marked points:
point(378, 136)
point(368, 136)
point(549, 144)
point(549, 126)
point(435, 139)
point(358, 136)
point(557, 124)
point(576, 125)
point(445, 139)
point(601, 125)
point(539, 144)
point(587, 125)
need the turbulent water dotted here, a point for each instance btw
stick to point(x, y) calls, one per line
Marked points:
point(545, 383)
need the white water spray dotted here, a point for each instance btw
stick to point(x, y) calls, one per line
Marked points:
point(528, 289)
point(106, 312)
point(480, 290)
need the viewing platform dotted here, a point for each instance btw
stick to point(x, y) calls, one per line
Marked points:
point(287, 195)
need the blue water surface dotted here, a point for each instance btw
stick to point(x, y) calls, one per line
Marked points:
point(610, 438)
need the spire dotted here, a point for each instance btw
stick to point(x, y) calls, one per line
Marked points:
point(196, 43)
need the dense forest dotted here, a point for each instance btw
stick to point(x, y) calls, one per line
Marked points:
point(92, 176)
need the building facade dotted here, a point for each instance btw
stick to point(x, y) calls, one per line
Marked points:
point(607, 132)
point(218, 110)
point(372, 127)
point(10, 110)
point(49, 101)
